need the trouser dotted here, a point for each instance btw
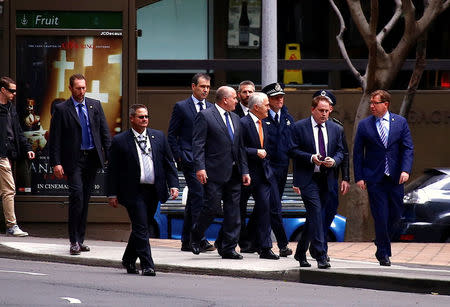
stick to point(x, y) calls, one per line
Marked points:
point(8, 191)
point(141, 215)
point(80, 182)
point(194, 202)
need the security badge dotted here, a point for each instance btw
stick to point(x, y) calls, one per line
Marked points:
point(323, 93)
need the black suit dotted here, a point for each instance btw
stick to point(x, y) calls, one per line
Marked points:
point(316, 187)
point(261, 185)
point(224, 161)
point(239, 111)
point(140, 200)
point(79, 166)
point(180, 140)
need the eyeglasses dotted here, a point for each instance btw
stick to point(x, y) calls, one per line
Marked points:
point(12, 91)
point(142, 116)
point(377, 102)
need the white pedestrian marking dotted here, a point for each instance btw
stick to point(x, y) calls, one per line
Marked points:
point(25, 273)
point(71, 300)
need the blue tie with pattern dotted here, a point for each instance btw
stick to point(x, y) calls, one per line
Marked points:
point(84, 128)
point(230, 131)
point(383, 136)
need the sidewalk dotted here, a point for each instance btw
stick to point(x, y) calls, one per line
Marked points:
point(417, 267)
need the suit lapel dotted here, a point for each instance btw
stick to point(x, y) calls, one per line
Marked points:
point(375, 130)
point(90, 109)
point(153, 143)
point(236, 124)
point(192, 107)
point(311, 133)
point(132, 145)
point(254, 133)
point(220, 122)
point(72, 111)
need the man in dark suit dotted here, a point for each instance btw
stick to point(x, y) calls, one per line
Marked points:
point(140, 171)
point(221, 166)
point(382, 158)
point(317, 150)
point(180, 140)
point(245, 90)
point(79, 139)
point(278, 123)
point(255, 140)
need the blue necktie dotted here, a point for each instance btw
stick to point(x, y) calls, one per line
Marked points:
point(383, 136)
point(200, 104)
point(84, 127)
point(230, 131)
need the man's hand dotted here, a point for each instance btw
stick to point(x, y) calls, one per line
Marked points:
point(30, 155)
point(174, 193)
point(262, 153)
point(345, 186)
point(361, 184)
point(404, 176)
point(201, 176)
point(328, 162)
point(246, 179)
point(315, 159)
point(112, 201)
point(297, 190)
point(58, 171)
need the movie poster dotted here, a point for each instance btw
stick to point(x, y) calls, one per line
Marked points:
point(44, 66)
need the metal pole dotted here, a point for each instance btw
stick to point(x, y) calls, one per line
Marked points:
point(269, 40)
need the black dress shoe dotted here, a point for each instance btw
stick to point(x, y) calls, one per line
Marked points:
point(205, 246)
point(217, 245)
point(268, 254)
point(285, 251)
point(323, 264)
point(302, 260)
point(249, 250)
point(148, 272)
point(185, 247)
point(131, 267)
point(385, 261)
point(195, 247)
point(84, 248)
point(231, 255)
point(74, 249)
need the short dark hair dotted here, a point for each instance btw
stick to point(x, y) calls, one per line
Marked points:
point(318, 99)
point(76, 77)
point(6, 81)
point(385, 96)
point(200, 75)
point(134, 107)
point(246, 82)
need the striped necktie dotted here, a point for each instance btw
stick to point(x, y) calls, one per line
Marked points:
point(384, 139)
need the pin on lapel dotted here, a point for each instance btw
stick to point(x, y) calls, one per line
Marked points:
point(268, 123)
point(153, 136)
point(90, 107)
point(393, 119)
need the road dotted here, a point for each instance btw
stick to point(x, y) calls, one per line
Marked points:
point(31, 283)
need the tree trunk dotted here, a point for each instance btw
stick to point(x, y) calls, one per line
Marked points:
point(421, 53)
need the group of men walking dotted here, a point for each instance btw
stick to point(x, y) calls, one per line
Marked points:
point(228, 151)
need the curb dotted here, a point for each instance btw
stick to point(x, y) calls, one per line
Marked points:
point(328, 277)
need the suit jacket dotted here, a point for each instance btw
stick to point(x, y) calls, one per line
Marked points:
point(65, 134)
point(303, 147)
point(238, 110)
point(345, 165)
point(180, 130)
point(259, 169)
point(279, 135)
point(213, 149)
point(369, 152)
point(124, 171)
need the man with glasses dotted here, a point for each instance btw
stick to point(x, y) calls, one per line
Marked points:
point(382, 158)
point(13, 145)
point(79, 142)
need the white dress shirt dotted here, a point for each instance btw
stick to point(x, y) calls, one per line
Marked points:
point(222, 114)
point(139, 151)
point(196, 101)
point(316, 139)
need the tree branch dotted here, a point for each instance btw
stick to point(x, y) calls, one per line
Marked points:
point(371, 43)
point(341, 44)
point(359, 19)
point(388, 27)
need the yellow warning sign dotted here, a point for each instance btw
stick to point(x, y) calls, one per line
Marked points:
point(293, 75)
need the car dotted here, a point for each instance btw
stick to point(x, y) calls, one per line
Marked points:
point(427, 208)
point(168, 221)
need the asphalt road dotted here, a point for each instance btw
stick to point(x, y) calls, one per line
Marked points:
point(31, 283)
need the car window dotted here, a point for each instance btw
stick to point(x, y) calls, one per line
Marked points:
point(428, 178)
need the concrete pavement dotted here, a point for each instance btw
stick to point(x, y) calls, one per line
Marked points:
point(417, 267)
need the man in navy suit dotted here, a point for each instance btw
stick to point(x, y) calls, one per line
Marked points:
point(317, 150)
point(221, 165)
point(255, 139)
point(78, 147)
point(245, 90)
point(140, 171)
point(180, 140)
point(383, 154)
